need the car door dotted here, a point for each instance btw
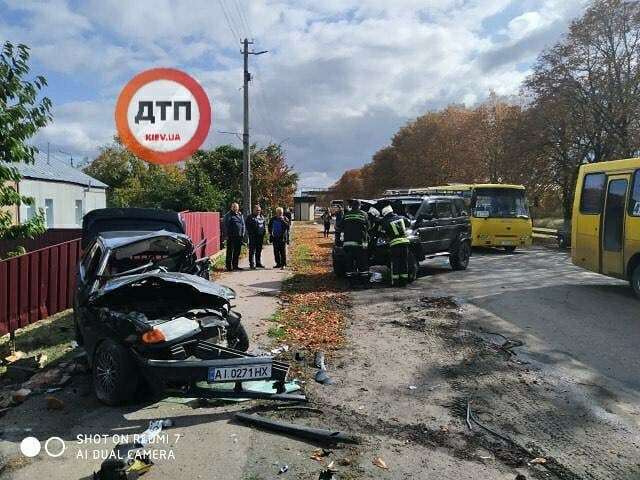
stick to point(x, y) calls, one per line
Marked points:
point(446, 224)
point(427, 227)
point(612, 241)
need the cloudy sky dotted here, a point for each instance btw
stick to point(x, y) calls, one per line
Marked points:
point(340, 77)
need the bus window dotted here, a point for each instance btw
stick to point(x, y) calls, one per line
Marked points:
point(634, 198)
point(614, 216)
point(500, 203)
point(592, 193)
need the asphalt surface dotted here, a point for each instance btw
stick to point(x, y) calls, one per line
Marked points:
point(582, 324)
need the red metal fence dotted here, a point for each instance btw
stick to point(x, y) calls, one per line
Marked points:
point(52, 236)
point(201, 226)
point(42, 282)
point(37, 284)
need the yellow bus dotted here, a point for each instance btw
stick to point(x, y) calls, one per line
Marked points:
point(605, 227)
point(499, 213)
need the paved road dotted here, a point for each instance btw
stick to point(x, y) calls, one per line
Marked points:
point(586, 325)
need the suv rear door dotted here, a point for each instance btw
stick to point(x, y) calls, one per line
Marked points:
point(427, 227)
point(446, 224)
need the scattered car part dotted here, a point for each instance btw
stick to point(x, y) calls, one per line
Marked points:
point(310, 433)
point(321, 375)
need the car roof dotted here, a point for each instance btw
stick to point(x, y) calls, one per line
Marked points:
point(117, 239)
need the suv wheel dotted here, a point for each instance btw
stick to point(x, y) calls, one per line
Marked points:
point(510, 249)
point(635, 281)
point(459, 257)
point(414, 266)
point(115, 373)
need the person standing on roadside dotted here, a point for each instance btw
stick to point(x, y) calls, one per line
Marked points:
point(234, 229)
point(326, 221)
point(256, 228)
point(279, 237)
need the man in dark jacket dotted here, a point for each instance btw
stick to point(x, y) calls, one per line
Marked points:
point(395, 229)
point(256, 228)
point(355, 229)
point(279, 236)
point(234, 229)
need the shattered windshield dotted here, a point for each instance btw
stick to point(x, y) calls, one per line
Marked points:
point(500, 203)
point(169, 253)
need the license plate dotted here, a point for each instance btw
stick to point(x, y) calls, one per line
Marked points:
point(240, 372)
point(506, 242)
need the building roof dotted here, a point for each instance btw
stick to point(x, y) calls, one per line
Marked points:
point(55, 171)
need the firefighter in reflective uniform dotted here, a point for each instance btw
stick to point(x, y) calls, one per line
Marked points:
point(395, 228)
point(355, 230)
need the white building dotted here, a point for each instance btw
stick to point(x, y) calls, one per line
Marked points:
point(63, 192)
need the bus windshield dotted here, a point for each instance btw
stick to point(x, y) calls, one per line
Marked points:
point(500, 203)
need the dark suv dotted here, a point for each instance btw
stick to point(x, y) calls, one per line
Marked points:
point(441, 227)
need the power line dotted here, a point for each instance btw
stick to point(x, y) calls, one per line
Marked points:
point(235, 36)
point(243, 18)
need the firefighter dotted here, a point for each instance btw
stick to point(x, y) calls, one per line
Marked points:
point(395, 228)
point(355, 229)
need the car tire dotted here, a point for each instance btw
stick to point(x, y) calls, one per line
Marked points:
point(115, 373)
point(414, 266)
point(635, 281)
point(238, 338)
point(510, 249)
point(459, 257)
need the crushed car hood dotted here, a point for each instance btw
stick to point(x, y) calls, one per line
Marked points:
point(198, 283)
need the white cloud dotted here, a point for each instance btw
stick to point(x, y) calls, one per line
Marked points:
point(340, 77)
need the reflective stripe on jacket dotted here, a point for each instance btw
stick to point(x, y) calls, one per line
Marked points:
point(395, 228)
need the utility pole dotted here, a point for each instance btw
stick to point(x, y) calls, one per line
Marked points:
point(246, 155)
point(47, 153)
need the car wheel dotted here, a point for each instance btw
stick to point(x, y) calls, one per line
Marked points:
point(238, 339)
point(414, 266)
point(510, 249)
point(635, 281)
point(459, 258)
point(115, 373)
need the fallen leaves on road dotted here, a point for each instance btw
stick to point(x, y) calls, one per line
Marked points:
point(313, 300)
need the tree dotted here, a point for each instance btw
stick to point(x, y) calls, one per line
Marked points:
point(586, 90)
point(21, 116)
point(273, 181)
point(208, 181)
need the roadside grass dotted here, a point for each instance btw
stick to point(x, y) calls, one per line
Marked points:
point(52, 337)
point(313, 299)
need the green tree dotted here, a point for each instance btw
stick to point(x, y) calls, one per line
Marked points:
point(21, 116)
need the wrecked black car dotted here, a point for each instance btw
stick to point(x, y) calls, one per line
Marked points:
point(145, 320)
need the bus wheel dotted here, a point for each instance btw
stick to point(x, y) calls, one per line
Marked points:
point(635, 281)
point(510, 249)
